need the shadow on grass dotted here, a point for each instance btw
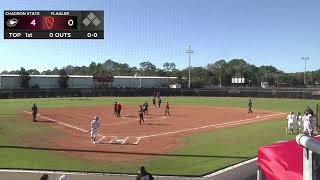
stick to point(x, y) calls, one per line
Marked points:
point(123, 152)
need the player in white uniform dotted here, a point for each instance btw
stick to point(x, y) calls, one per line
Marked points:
point(299, 121)
point(290, 119)
point(306, 124)
point(95, 124)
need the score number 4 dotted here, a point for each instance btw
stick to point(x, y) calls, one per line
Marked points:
point(33, 22)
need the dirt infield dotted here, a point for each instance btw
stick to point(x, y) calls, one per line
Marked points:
point(123, 139)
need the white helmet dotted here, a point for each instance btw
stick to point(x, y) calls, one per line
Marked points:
point(96, 118)
point(63, 177)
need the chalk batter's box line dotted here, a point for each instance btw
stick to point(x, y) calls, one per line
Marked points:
point(116, 139)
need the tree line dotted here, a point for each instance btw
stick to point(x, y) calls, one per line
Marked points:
point(218, 73)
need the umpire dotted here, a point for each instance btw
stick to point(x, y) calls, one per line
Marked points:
point(34, 112)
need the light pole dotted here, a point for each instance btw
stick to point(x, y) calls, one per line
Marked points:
point(189, 51)
point(305, 59)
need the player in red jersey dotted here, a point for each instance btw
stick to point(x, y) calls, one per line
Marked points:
point(119, 107)
point(115, 109)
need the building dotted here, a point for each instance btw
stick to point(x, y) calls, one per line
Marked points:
point(12, 81)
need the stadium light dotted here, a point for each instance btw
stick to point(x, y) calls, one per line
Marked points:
point(189, 51)
point(305, 59)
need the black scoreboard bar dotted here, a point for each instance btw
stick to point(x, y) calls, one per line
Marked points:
point(53, 24)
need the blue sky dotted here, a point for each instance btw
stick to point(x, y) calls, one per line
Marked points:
point(264, 32)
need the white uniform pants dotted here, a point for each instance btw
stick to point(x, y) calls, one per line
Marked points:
point(94, 133)
point(290, 125)
point(307, 127)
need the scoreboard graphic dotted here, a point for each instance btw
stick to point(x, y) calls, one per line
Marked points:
point(53, 24)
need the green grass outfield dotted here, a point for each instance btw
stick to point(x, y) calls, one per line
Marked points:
point(200, 154)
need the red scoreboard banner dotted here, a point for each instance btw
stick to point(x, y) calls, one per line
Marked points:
point(53, 24)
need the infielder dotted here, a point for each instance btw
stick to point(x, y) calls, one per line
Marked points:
point(95, 124)
point(290, 119)
point(141, 119)
point(119, 107)
point(115, 109)
point(145, 108)
point(167, 109)
point(159, 102)
point(154, 101)
point(34, 112)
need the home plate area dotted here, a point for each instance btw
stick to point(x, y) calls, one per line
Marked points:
point(119, 140)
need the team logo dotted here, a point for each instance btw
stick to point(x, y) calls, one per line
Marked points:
point(49, 22)
point(12, 22)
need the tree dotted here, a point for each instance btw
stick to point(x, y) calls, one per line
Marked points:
point(218, 69)
point(148, 69)
point(169, 67)
point(33, 71)
point(24, 78)
point(63, 79)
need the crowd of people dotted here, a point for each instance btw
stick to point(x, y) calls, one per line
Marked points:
point(305, 123)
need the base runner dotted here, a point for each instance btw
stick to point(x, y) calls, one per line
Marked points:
point(95, 124)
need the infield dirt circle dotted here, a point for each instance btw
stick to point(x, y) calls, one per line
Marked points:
point(125, 139)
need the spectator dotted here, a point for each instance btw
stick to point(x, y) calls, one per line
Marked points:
point(44, 177)
point(144, 175)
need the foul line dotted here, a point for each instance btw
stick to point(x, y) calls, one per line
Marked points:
point(231, 168)
point(215, 125)
point(62, 123)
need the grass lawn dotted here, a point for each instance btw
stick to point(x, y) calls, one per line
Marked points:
point(201, 153)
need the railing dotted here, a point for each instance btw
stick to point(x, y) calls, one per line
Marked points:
point(311, 157)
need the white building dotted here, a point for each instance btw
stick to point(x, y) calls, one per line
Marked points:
point(12, 81)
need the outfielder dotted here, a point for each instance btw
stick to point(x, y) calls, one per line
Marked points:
point(250, 106)
point(95, 124)
point(290, 119)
